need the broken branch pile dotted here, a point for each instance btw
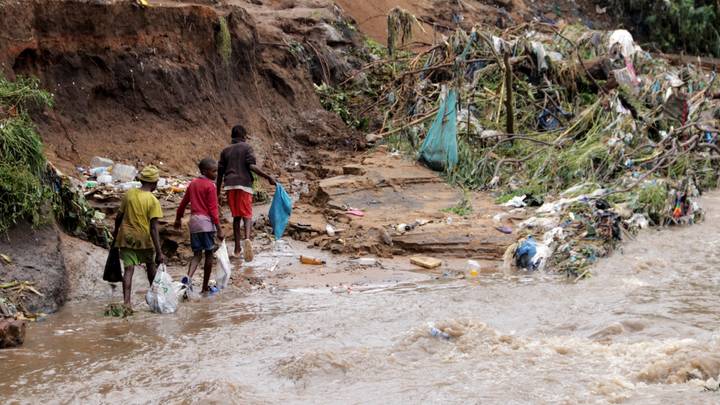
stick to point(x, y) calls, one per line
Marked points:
point(609, 137)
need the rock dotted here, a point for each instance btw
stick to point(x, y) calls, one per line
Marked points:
point(426, 262)
point(355, 170)
point(12, 333)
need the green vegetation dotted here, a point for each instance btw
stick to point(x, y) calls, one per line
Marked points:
point(673, 25)
point(463, 208)
point(22, 196)
point(22, 163)
point(224, 41)
point(28, 188)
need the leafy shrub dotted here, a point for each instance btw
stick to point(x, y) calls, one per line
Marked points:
point(688, 25)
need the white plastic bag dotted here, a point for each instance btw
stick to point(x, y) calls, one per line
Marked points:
point(224, 268)
point(162, 295)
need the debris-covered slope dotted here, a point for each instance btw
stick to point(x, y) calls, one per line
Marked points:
point(607, 135)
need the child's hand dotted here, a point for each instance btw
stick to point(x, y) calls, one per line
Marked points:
point(177, 224)
point(272, 181)
point(159, 258)
point(220, 234)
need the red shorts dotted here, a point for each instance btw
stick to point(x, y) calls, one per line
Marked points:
point(240, 203)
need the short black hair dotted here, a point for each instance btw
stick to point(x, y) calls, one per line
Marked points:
point(238, 132)
point(207, 164)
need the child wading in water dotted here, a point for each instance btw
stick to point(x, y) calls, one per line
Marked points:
point(136, 231)
point(237, 163)
point(204, 220)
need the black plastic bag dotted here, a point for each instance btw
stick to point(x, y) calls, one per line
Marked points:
point(113, 269)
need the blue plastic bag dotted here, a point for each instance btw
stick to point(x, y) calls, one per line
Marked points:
point(280, 210)
point(439, 151)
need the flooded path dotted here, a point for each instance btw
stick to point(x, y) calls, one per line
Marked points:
point(644, 329)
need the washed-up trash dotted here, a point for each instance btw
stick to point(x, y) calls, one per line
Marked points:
point(516, 202)
point(525, 253)
point(365, 261)
point(129, 185)
point(280, 211)
point(329, 230)
point(435, 332)
point(98, 161)
point(472, 268)
point(162, 296)
point(91, 184)
point(97, 171)
point(439, 150)
point(504, 229)
point(224, 267)
point(124, 173)
point(426, 262)
point(104, 179)
point(311, 260)
point(355, 212)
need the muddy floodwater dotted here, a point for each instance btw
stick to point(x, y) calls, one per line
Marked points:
point(643, 329)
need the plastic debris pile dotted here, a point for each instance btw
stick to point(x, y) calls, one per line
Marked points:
point(606, 136)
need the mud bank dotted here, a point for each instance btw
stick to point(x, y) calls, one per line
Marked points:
point(165, 83)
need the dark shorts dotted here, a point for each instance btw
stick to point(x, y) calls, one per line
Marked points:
point(202, 241)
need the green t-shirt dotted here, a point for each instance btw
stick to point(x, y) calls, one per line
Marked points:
point(138, 207)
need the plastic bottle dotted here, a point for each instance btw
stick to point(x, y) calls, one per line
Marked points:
point(311, 260)
point(435, 332)
point(472, 268)
point(124, 173)
point(98, 161)
point(104, 179)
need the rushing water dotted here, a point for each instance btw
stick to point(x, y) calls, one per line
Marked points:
point(644, 329)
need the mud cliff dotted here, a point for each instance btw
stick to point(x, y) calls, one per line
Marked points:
point(165, 83)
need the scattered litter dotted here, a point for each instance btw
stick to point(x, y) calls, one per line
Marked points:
point(355, 212)
point(365, 261)
point(472, 268)
point(516, 202)
point(311, 260)
point(330, 230)
point(504, 229)
point(124, 173)
point(435, 332)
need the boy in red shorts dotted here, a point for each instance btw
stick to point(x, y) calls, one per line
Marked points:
point(237, 163)
point(204, 220)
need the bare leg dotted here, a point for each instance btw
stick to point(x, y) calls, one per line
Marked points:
point(127, 285)
point(194, 263)
point(207, 271)
point(248, 227)
point(236, 234)
point(247, 245)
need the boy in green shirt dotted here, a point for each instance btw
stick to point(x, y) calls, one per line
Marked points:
point(136, 231)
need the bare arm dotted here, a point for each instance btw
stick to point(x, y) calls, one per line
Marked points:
point(118, 222)
point(159, 258)
point(261, 173)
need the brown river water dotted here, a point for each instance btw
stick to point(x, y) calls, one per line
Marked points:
point(643, 329)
